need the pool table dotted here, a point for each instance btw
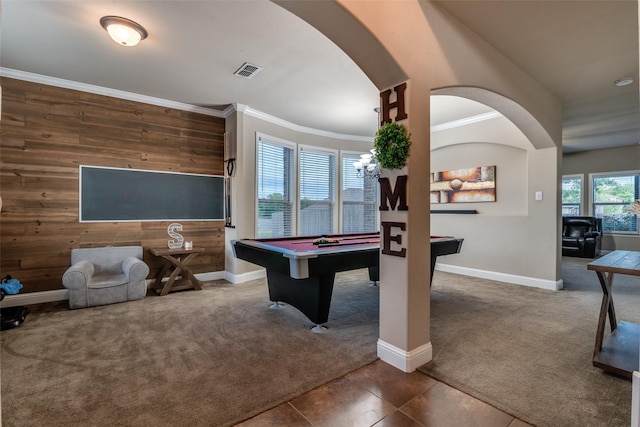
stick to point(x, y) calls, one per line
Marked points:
point(302, 273)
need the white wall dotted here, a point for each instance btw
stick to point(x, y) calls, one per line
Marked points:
point(508, 237)
point(513, 239)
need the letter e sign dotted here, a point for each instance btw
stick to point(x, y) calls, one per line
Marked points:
point(387, 238)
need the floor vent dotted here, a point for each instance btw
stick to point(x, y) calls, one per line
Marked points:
point(247, 70)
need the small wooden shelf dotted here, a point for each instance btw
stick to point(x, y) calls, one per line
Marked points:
point(455, 211)
point(620, 353)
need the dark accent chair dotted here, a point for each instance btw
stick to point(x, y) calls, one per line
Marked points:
point(581, 236)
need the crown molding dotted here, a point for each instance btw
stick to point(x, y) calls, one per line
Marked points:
point(99, 90)
point(466, 121)
point(245, 109)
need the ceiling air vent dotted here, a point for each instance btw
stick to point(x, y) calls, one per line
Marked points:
point(247, 70)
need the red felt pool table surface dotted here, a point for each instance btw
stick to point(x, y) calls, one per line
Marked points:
point(305, 244)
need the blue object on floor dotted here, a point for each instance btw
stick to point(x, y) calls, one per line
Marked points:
point(10, 317)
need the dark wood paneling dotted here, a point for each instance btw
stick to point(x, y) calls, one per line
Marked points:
point(47, 132)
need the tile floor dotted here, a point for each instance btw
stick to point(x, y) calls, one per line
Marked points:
point(383, 396)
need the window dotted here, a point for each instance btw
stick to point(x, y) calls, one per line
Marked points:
point(359, 198)
point(571, 195)
point(275, 187)
point(317, 183)
point(611, 195)
point(297, 191)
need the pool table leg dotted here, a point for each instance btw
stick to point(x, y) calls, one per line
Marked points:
point(312, 296)
point(374, 274)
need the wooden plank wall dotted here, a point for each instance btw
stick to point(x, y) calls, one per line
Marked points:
point(47, 132)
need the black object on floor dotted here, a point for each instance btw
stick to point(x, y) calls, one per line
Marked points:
point(12, 316)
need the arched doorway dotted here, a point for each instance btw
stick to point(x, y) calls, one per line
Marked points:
point(416, 43)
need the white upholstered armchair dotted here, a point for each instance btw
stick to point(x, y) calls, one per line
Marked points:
point(108, 275)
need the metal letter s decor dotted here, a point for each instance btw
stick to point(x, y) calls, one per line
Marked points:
point(175, 244)
point(464, 185)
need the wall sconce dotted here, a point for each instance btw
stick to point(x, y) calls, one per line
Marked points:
point(123, 31)
point(367, 166)
point(624, 81)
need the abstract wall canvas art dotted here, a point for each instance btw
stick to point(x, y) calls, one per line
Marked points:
point(464, 185)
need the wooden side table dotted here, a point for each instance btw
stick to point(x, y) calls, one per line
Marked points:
point(620, 352)
point(176, 264)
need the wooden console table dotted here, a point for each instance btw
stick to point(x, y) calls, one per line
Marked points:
point(619, 354)
point(177, 267)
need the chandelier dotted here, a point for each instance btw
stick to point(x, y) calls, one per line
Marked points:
point(367, 165)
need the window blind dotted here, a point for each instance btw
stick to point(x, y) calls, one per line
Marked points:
point(317, 182)
point(275, 186)
point(359, 199)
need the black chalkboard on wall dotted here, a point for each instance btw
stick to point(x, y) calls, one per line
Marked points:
point(114, 194)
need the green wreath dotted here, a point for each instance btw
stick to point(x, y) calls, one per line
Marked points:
point(392, 142)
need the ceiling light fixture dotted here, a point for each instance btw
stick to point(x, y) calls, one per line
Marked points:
point(625, 81)
point(367, 165)
point(123, 31)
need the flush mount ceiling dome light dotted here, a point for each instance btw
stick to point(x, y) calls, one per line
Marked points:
point(123, 31)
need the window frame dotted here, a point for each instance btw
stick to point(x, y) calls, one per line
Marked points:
point(581, 203)
point(375, 202)
point(594, 175)
point(294, 176)
point(338, 202)
point(335, 203)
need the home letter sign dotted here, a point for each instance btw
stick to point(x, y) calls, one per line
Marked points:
point(399, 194)
point(387, 238)
point(387, 105)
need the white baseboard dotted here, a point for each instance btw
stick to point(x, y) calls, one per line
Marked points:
point(407, 361)
point(63, 294)
point(502, 277)
point(245, 277)
point(35, 298)
point(213, 275)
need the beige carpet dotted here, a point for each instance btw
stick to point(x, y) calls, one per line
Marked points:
point(208, 358)
point(528, 351)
